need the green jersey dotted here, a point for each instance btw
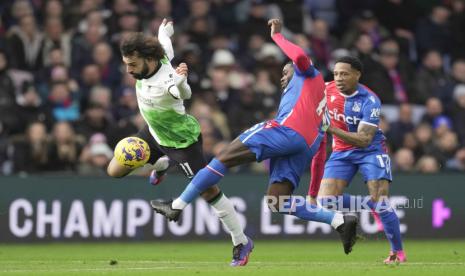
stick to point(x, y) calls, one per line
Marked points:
point(164, 110)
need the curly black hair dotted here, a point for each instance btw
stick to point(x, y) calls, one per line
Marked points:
point(354, 62)
point(147, 47)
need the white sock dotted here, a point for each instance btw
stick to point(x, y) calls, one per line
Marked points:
point(225, 211)
point(162, 164)
point(338, 220)
point(179, 204)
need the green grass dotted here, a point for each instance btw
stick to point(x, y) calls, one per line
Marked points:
point(286, 258)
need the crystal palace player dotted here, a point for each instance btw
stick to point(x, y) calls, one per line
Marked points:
point(290, 141)
point(358, 144)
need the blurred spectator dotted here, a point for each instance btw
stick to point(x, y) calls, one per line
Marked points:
point(65, 148)
point(246, 113)
point(93, 18)
point(19, 9)
point(458, 162)
point(365, 23)
point(433, 109)
point(90, 78)
point(56, 38)
point(210, 111)
point(110, 74)
point(120, 7)
point(256, 23)
point(457, 20)
point(441, 125)
point(63, 102)
point(458, 112)
point(271, 58)
point(267, 92)
point(30, 109)
point(424, 139)
point(31, 151)
point(433, 32)
point(431, 79)
point(364, 50)
point(24, 45)
point(446, 145)
point(210, 136)
point(401, 127)
point(226, 96)
point(53, 9)
point(99, 157)
point(392, 79)
point(101, 95)
point(399, 17)
point(7, 96)
point(458, 79)
point(410, 142)
point(322, 43)
point(404, 160)
point(291, 13)
point(225, 13)
point(250, 53)
point(427, 164)
point(325, 10)
point(95, 120)
point(57, 74)
point(82, 47)
point(200, 24)
point(127, 104)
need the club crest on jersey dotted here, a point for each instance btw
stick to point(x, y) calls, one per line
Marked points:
point(357, 107)
point(332, 98)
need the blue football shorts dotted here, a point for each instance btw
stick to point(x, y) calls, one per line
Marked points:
point(373, 165)
point(289, 153)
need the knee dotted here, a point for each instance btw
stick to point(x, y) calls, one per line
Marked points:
point(224, 158)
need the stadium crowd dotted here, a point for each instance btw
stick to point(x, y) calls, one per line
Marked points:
point(66, 100)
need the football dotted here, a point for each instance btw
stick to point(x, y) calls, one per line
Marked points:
point(132, 152)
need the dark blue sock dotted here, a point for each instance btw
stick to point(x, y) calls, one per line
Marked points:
point(308, 211)
point(204, 179)
point(390, 223)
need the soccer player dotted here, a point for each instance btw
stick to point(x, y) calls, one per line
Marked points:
point(290, 141)
point(359, 144)
point(170, 131)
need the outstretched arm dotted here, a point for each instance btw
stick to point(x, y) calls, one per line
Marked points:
point(165, 31)
point(294, 52)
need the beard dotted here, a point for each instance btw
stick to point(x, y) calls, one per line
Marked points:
point(143, 73)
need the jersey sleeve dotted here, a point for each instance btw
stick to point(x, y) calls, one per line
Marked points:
point(165, 42)
point(302, 63)
point(371, 111)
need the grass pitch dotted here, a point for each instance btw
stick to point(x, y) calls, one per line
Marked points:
point(212, 258)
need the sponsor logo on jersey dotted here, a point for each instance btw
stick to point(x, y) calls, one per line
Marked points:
point(375, 112)
point(351, 120)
